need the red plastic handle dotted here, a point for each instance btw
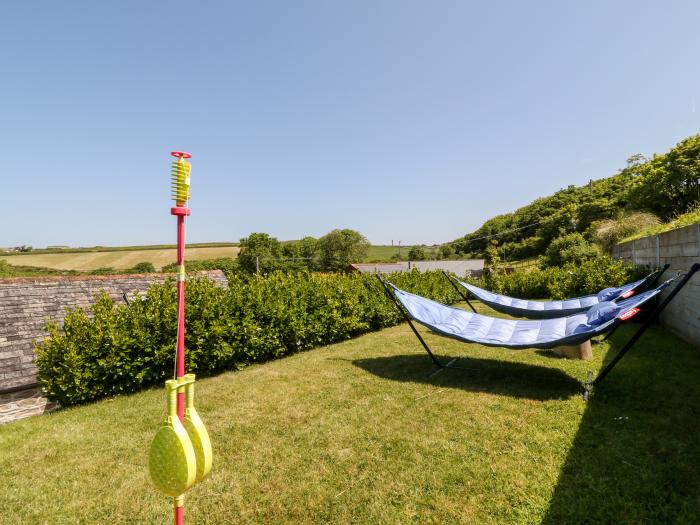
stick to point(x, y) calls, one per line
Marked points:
point(629, 314)
point(181, 154)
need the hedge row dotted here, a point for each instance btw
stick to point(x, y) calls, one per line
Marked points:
point(125, 348)
point(570, 280)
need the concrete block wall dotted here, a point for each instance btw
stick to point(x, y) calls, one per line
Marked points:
point(680, 248)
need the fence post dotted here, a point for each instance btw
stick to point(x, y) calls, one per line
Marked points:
point(658, 253)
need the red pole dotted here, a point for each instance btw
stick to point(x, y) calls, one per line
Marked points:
point(181, 211)
point(179, 510)
point(180, 371)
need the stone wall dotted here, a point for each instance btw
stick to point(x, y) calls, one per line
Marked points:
point(680, 248)
point(26, 304)
point(23, 403)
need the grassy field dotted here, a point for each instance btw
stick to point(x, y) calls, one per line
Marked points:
point(359, 432)
point(377, 253)
point(86, 249)
point(118, 259)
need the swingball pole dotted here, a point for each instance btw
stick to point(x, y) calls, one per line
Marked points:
point(180, 453)
point(181, 190)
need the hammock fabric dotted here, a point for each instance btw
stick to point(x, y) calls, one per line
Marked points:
point(547, 333)
point(551, 309)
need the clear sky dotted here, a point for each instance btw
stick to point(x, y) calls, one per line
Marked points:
point(410, 120)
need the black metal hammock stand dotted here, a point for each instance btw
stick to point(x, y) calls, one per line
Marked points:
point(607, 326)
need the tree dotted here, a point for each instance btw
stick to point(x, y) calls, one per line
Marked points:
point(340, 248)
point(258, 248)
point(302, 255)
point(446, 251)
point(416, 253)
point(308, 250)
point(491, 254)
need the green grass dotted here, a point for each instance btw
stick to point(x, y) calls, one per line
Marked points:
point(85, 261)
point(358, 432)
point(685, 219)
point(88, 249)
point(383, 253)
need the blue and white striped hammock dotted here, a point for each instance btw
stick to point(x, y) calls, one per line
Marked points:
point(471, 327)
point(551, 309)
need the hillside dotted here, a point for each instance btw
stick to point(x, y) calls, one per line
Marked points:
point(666, 185)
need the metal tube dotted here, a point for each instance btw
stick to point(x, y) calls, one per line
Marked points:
point(655, 314)
point(410, 323)
point(449, 278)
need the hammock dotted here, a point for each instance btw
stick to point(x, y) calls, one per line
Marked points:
point(551, 309)
point(471, 327)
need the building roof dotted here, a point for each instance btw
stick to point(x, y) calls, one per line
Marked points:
point(27, 303)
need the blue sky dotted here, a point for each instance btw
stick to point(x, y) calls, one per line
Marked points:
point(402, 119)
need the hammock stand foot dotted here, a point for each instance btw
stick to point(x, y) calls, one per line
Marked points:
point(587, 386)
point(646, 324)
point(441, 367)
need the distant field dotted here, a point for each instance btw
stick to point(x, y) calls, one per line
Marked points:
point(118, 259)
point(385, 253)
point(124, 257)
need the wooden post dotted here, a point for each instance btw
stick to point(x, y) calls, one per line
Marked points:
point(582, 351)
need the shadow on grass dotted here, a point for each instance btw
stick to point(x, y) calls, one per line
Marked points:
point(477, 375)
point(636, 456)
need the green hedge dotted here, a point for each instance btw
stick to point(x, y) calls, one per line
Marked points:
point(570, 280)
point(124, 348)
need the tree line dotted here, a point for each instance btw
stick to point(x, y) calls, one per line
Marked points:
point(647, 189)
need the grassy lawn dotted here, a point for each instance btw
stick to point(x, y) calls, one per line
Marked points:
point(118, 259)
point(359, 433)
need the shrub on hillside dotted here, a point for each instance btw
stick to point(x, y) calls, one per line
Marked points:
point(609, 232)
point(124, 348)
point(571, 248)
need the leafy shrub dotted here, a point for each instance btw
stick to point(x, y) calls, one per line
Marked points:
point(571, 248)
point(570, 280)
point(143, 267)
point(104, 270)
point(124, 348)
point(446, 251)
point(416, 253)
